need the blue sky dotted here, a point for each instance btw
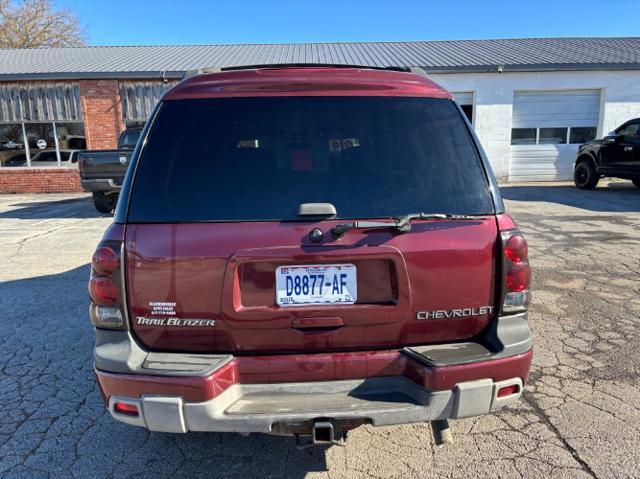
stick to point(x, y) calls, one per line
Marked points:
point(150, 22)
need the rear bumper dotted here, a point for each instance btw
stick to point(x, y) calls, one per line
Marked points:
point(292, 408)
point(100, 185)
point(286, 394)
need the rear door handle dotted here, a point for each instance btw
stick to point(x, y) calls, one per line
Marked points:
point(318, 322)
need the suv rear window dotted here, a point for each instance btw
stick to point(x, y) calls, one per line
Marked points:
point(259, 158)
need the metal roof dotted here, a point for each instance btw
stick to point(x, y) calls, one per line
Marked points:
point(525, 54)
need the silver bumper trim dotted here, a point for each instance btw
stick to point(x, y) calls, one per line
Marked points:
point(381, 401)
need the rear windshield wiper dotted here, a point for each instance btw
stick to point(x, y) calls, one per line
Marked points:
point(402, 223)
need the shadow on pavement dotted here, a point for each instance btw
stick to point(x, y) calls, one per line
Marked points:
point(50, 396)
point(80, 207)
point(615, 197)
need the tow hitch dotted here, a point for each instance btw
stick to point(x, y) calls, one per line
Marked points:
point(322, 433)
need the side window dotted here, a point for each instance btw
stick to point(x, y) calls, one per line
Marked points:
point(630, 131)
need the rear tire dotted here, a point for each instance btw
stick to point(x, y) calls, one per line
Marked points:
point(585, 176)
point(636, 181)
point(104, 202)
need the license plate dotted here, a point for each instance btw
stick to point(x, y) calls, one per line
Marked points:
point(316, 284)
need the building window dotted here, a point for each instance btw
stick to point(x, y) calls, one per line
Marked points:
point(40, 124)
point(582, 134)
point(553, 135)
point(523, 136)
point(12, 150)
point(41, 144)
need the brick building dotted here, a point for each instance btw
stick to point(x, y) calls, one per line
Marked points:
point(532, 101)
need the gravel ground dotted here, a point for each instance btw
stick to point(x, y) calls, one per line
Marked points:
point(580, 416)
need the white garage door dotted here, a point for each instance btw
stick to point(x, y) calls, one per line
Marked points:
point(547, 129)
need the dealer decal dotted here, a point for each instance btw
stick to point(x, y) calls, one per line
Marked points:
point(163, 313)
point(162, 308)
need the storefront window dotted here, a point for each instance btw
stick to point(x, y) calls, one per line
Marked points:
point(47, 144)
point(40, 124)
point(12, 151)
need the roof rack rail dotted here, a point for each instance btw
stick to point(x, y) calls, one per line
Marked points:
point(418, 71)
point(201, 71)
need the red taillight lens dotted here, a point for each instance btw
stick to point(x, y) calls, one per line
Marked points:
point(518, 277)
point(105, 260)
point(103, 290)
point(517, 272)
point(126, 408)
point(516, 249)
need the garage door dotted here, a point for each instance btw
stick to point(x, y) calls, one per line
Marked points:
point(546, 131)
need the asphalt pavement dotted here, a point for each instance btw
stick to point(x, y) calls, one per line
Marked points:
point(579, 417)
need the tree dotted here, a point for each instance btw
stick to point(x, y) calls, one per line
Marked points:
point(37, 23)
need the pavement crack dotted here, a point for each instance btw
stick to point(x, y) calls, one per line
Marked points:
point(544, 419)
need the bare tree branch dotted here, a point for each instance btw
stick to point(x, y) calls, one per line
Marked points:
point(37, 23)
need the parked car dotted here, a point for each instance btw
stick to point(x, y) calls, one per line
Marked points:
point(12, 157)
point(68, 158)
point(616, 155)
point(306, 250)
point(102, 171)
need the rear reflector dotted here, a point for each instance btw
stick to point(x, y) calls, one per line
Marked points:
point(126, 408)
point(508, 390)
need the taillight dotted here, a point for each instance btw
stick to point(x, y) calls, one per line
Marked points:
point(518, 277)
point(103, 290)
point(105, 260)
point(516, 249)
point(105, 287)
point(516, 272)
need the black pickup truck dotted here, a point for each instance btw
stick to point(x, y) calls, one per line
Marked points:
point(615, 155)
point(102, 171)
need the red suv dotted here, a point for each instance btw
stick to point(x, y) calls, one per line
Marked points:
point(302, 250)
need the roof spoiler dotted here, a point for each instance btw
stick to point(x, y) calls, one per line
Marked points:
point(205, 70)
